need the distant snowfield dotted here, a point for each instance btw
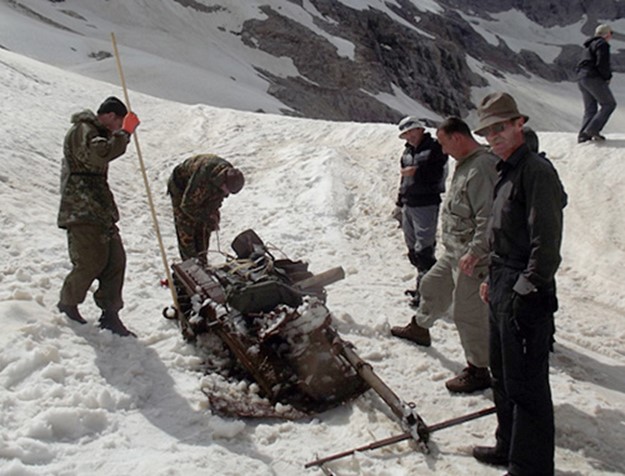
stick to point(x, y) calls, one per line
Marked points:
point(76, 400)
point(177, 53)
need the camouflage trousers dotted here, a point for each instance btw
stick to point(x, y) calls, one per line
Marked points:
point(95, 253)
point(193, 236)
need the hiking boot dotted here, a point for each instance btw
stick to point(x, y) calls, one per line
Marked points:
point(471, 379)
point(71, 312)
point(413, 332)
point(583, 137)
point(110, 320)
point(598, 137)
point(490, 455)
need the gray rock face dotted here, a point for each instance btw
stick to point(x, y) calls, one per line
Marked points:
point(433, 72)
point(426, 60)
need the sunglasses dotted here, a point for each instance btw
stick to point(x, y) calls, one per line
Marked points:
point(495, 128)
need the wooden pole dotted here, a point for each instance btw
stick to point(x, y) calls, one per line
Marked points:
point(170, 281)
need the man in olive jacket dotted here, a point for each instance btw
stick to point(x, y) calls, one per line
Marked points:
point(89, 214)
point(453, 283)
point(197, 188)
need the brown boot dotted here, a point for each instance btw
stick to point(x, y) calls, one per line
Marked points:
point(413, 332)
point(110, 320)
point(71, 312)
point(471, 379)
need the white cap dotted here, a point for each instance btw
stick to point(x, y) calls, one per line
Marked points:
point(409, 123)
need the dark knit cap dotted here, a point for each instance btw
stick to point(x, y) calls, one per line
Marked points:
point(112, 104)
point(234, 180)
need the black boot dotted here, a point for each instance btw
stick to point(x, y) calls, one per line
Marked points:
point(490, 455)
point(71, 312)
point(110, 320)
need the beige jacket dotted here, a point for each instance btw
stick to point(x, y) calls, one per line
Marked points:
point(467, 205)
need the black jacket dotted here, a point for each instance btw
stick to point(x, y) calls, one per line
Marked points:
point(595, 60)
point(425, 187)
point(526, 220)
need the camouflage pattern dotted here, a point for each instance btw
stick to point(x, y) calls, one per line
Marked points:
point(85, 195)
point(196, 197)
point(89, 213)
point(96, 253)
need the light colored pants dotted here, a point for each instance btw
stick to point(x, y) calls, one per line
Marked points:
point(444, 287)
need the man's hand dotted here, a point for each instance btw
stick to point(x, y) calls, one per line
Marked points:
point(409, 171)
point(467, 264)
point(131, 121)
point(484, 292)
point(398, 215)
point(213, 220)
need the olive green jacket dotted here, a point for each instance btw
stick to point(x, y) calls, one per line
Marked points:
point(85, 194)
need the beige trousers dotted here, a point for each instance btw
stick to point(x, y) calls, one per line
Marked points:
point(445, 288)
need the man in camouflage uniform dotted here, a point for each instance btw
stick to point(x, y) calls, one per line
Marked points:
point(453, 283)
point(89, 214)
point(197, 188)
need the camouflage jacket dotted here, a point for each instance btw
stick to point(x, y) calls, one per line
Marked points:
point(85, 194)
point(195, 187)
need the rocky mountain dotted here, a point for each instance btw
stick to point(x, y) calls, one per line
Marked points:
point(426, 56)
point(353, 60)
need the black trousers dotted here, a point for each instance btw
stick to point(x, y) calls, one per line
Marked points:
point(521, 336)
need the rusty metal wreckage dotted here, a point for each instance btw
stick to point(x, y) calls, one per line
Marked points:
point(271, 316)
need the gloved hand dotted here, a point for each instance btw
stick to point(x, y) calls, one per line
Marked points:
point(131, 121)
point(397, 215)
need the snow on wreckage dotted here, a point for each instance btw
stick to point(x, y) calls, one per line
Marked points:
point(264, 321)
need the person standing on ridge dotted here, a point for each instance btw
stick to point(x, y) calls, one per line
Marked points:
point(453, 282)
point(89, 214)
point(423, 170)
point(197, 188)
point(593, 79)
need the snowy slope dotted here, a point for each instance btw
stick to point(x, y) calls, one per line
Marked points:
point(79, 401)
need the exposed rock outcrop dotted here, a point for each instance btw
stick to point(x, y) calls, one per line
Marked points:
point(386, 53)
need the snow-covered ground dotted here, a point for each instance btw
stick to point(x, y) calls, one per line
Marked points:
point(76, 400)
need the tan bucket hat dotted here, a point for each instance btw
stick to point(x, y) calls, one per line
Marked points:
point(497, 107)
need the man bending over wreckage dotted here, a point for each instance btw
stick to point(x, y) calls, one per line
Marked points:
point(197, 188)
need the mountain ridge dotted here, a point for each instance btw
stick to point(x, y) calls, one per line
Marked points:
point(367, 61)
